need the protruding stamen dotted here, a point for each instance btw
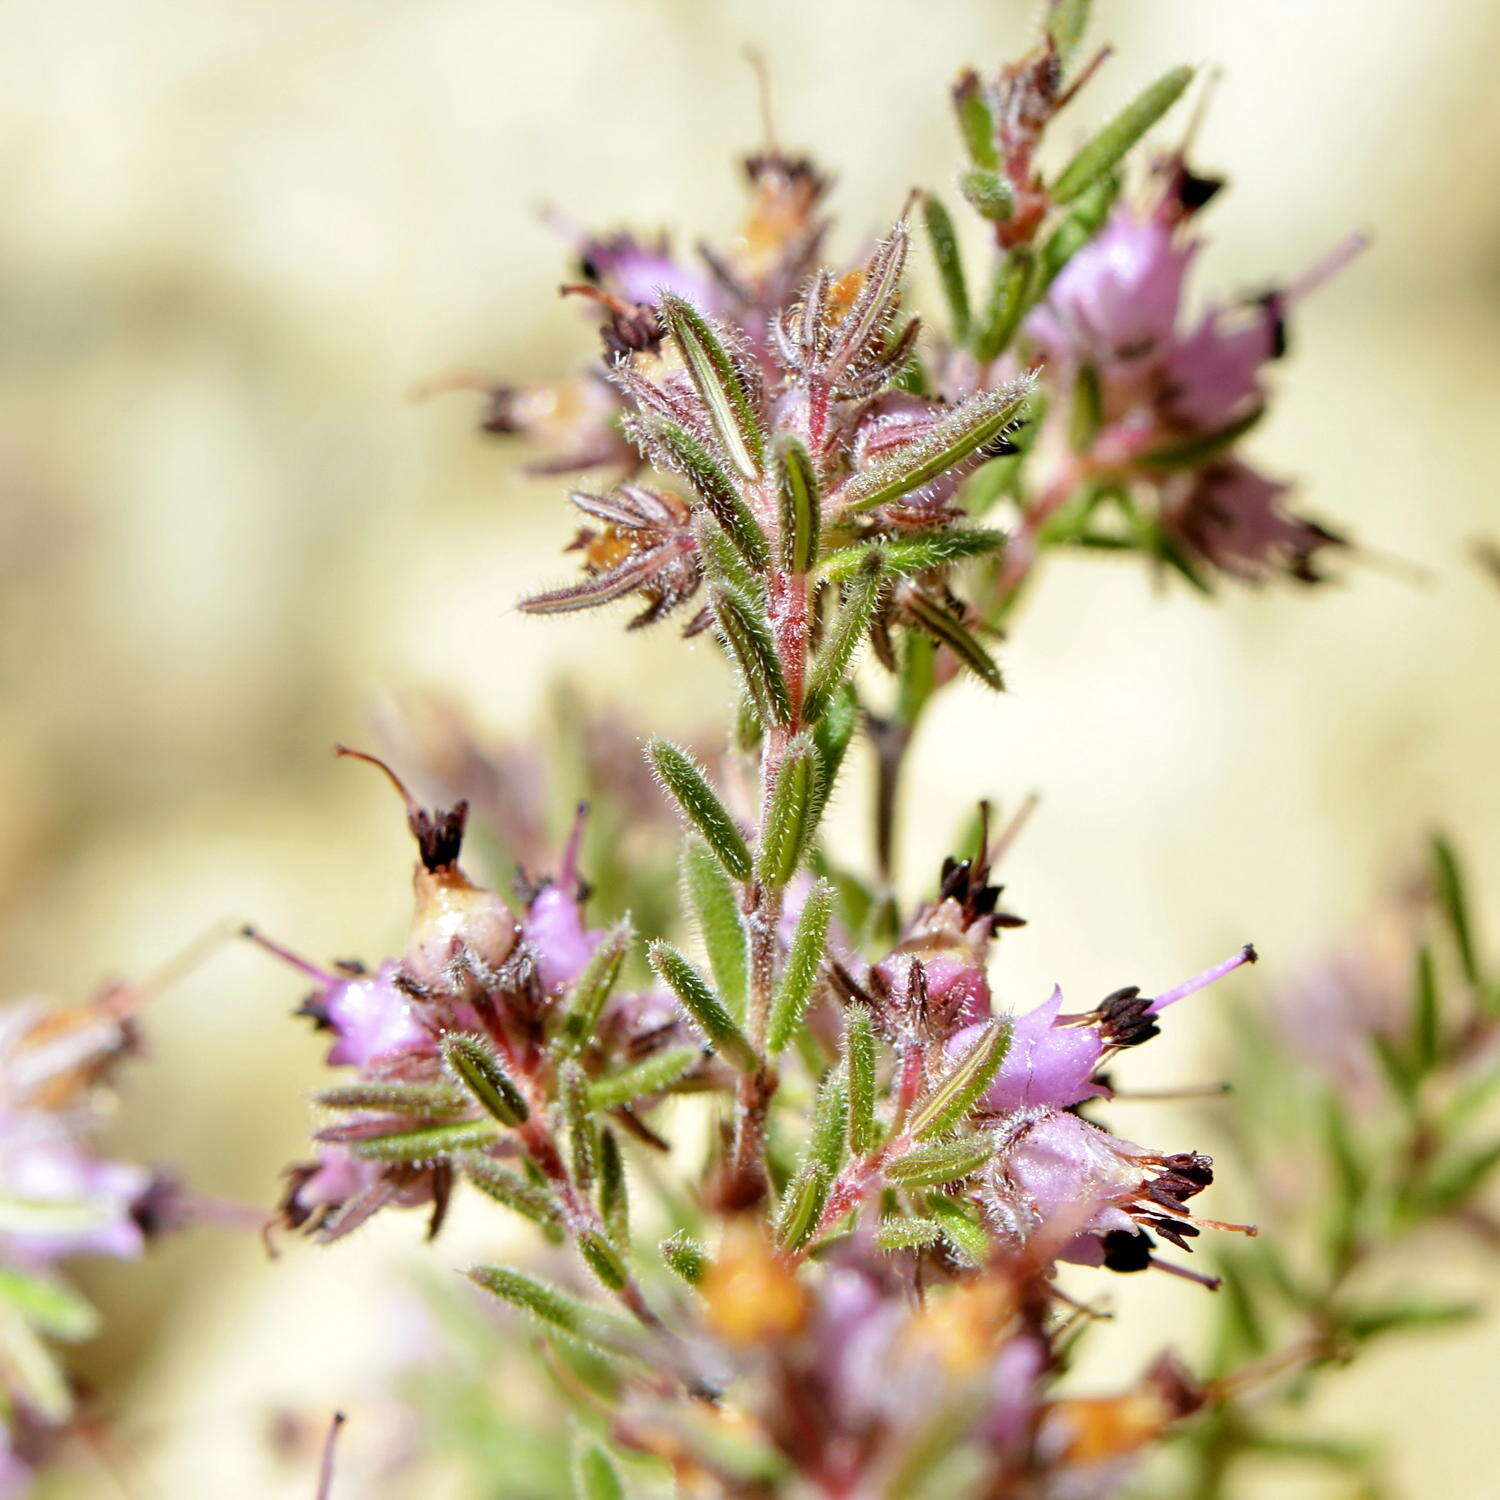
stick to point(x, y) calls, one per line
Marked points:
point(287, 956)
point(567, 875)
point(1186, 1272)
point(325, 1467)
point(1246, 955)
point(1325, 269)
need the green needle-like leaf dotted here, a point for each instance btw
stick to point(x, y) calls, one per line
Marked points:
point(747, 634)
point(861, 596)
point(652, 1075)
point(685, 454)
point(1127, 127)
point(950, 1102)
point(801, 499)
point(586, 1000)
point(859, 1060)
point(789, 821)
point(957, 637)
point(941, 1161)
point(703, 1007)
point(830, 1122)
point(716, 909)
point(700, 806)
point(803, 965)
point(721, 385)
point(512, 1189)
point(972, 427)
point(475, 1065)
point(900, 1233)
point(427, 1145)
point(686, 1256)
point(800, 1206)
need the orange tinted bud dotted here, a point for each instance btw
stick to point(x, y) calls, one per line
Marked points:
point(1102, 1428)
point(750, 1293)
point(963, 1328)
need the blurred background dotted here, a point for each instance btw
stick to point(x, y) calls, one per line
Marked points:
point(238, 233)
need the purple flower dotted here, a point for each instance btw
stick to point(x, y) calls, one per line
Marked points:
point(1012, 1394)
point(1116, 300)
point(1046, 1064)
point(371, 1016)
point(75, 1203)
point(560, 944)
point(1056, 1172)
point(1233, 517)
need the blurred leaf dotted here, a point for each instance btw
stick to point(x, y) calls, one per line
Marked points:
point(1011, 292)
point(1367, 1322)
point(1426, 1035)
point(949, 264)
point(1066, 24)
point(511, 1189)
point(49, 1305)
point(651, 1075)
point(1096, 158)
point(594, 1474)
point(1449, 881)
point(1452, 1182)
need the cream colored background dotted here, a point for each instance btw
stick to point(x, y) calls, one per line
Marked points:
point(236, 233)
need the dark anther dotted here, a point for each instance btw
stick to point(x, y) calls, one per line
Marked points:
point(1127, 1250)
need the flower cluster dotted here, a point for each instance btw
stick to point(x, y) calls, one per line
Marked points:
point(858, 1278)
point(59, 1199)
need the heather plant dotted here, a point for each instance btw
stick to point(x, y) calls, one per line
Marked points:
point(800, 1187)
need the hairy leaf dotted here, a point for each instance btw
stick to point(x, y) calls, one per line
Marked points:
point(704, 1007)
point(701, 806)
point(803, 965)
point(716, 910)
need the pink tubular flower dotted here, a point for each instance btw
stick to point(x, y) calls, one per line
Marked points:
point(1233, 517)
point(1046, 1064)
point(1057, 1178)
point(560, 944)
point(1116, 300)
point(76, 1203)
point(370, 1015)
